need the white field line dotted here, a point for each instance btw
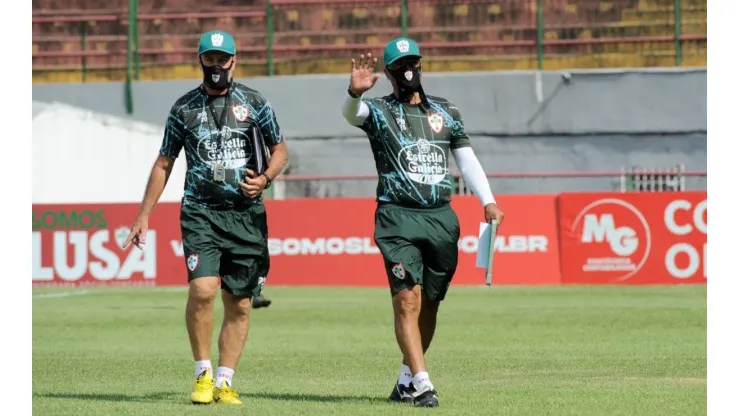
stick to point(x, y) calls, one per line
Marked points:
point(61, 294)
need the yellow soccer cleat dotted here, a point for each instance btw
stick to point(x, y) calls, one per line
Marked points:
point(203, 388)
point(226, 395)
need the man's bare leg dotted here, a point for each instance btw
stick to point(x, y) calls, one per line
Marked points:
point(407, 305)
point(428, 321)
point(233, 336)
point(406, 309)
point(199, 320)
point(427, 326)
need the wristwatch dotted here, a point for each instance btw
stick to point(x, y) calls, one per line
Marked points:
point(351, 94)
point(269, 180)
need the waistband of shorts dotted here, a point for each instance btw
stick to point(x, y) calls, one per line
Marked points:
point(394, 206)
point(225, 206)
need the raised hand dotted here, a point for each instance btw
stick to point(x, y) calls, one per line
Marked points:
point(363, 75)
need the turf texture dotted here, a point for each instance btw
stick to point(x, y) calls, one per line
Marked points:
point(497, 351)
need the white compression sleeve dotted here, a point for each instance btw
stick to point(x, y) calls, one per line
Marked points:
point(354, 110)
point(473, 174)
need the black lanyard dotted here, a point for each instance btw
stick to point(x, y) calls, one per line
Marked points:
point(220, 122)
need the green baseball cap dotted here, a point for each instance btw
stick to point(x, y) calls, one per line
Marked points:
point(217, 40)
point(400, 48)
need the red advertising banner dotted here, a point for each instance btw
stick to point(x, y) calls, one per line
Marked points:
point(80, 245)
point(311, 241)
point(633, 238)
point(330, 242)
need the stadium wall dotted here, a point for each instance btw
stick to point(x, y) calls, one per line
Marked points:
point(595, 120)
point(501, 103)
point(547, 239)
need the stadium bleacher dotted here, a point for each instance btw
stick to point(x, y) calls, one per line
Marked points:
point(87, 40)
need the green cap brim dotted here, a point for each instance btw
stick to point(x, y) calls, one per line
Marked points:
point(226, 51)
point(401, 57)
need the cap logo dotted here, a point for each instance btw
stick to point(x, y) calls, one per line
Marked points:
point(217, 39)
point(402, 45)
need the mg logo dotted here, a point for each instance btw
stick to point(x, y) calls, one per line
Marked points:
point(615, 237)
point(597, 229)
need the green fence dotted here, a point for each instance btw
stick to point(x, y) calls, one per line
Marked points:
point(307, 36)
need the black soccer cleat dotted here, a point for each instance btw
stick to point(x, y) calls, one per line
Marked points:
point(260, 302)
point(402, 394)
point(427, 398)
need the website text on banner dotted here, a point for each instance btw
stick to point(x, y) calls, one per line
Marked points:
point(312, 242)
point(633, 238)
point(330, 241)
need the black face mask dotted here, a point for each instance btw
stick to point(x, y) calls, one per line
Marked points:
point(408, 79)
point(217, 77)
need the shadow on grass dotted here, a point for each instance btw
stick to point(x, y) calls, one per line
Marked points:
point(317, 398)
point(178, 397)
point(146, 398)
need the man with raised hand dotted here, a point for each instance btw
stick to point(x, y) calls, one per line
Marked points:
point(416, 230)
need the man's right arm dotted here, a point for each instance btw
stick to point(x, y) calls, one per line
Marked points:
point(158, 178)
point(172, 143)
point(354, 110)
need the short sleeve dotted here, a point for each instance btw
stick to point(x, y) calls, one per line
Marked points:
point(174, 134)
point(459, 138)
point(269, 127)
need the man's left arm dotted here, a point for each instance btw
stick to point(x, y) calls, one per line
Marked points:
point(468, 164)
point(471, 170)
point(274, 140)
point(255, 182)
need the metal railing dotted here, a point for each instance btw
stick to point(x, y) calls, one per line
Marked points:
point(625, 180)
point(313, 36)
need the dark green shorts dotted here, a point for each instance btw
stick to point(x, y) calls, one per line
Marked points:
point(419, 247)
point(231, 244)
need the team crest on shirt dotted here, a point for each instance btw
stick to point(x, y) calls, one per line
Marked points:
point(240, 112)
point(193, 261)
point(399, 271)
point(436, 122)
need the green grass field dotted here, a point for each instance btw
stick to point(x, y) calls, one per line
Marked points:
point(497, 351)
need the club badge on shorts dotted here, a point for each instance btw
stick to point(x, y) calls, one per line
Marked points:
point(399, 271)
point(436, 122)
point(219, 171)
point(240, 112)
point(193, 262)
